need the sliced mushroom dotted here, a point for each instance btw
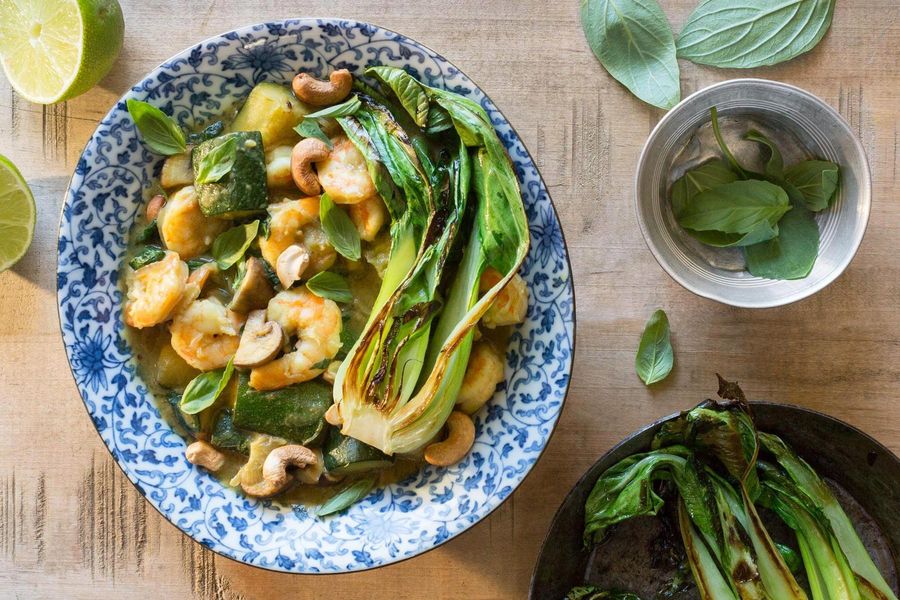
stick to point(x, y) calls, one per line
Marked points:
point(260, 341)
point(275, 470)
point(254, 290)
point(291, 264)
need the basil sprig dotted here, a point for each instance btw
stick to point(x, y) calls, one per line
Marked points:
point(309, 128)
point(347, 496)
point(150, 254)
point(344, 109)
point(816, 180)
point(159, 131)
point(331, 286)
point(230, 246)
point(204, 389)
point(655, 357)
point(339, 229)
point(217, 163)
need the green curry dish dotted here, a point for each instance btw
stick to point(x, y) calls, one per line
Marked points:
point(242, 190)
point(295, 413)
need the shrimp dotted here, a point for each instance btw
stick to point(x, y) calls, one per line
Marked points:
point(317, 324)
point(483, 373)
point(297, 222)
point(510, 305)
point(154, 291)
point(368, 216)
point(344, 175)
point(196, 281)
point(278, 167)
point(183, 228)
point(206, 334)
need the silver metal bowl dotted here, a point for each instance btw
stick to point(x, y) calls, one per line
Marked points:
point(802, 126)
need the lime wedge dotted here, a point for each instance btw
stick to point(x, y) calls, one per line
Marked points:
point(17, 214)
point(53, 50)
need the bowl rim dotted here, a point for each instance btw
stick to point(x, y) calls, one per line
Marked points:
point(659, 422)
point(315, 21)
point(865, 199)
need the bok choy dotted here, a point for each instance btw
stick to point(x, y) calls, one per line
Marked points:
point(400, 380)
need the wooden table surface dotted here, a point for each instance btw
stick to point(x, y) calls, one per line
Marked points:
point(72, 526)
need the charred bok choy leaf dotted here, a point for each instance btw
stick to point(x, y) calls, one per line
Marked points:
point(399, 382)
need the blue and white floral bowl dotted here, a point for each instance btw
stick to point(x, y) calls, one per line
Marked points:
point(393, 523)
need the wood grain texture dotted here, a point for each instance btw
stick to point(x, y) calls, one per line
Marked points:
point(71, 526)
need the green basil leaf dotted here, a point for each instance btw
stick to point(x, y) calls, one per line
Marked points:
point(330, 285)
point(231, 245)
point(792, 254)
point(348, 495)
point(408, 90)
point(736, 207)
point(344, 109)
point(309, 128)
point(202, 391)
point(211, 131)
point(633, 41)
point(655, 357)
point(816, 180)
point(147, 233)
point(705, 177)
point(438, 120)
point(159, 131)
point(195, 263)
point(150, 254)
point(775, 163)
point(742, 35)
point(714, 118)
point(339, 229)
point(762, 232)
point(217, 163)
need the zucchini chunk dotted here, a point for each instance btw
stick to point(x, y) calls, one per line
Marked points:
point(273, 111)
point(226, 436)
point(243, 190)
point(345, 455)
point(295, 413)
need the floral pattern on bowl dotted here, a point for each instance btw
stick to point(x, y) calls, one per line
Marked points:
point(392, 523)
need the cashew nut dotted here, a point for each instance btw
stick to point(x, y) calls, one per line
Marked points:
point(156, 203)
point(203, 454)
point(291, 264)
point(305, 153)
point(275, 469)
point(460, 437)
point(333, 415)
point(323, 93)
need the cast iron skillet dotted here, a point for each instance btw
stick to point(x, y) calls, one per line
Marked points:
point(868, 484)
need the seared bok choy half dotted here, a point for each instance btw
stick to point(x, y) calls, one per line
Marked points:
point(449, 186)
point(719, 469)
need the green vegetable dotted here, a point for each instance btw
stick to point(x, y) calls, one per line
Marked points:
point(295, 413)
point(438, 120)
point(818, 494)
point(273, 110)
point(409, 92)
point(743, 35)
point(240, 192)
point(225, 436)
point(655, 358)
point(229, 247)
point(792, 254)
point(195, 263)
point(714, 120)
point(339, 229)
point(330, 285)
point(775, 163)
point(149, 232)
point(705, 177)
point(213, 130)
point(150, 254)
point(816, 180)
point(633, 41)
point(349, 494)
point(589, 592)
point(748, 210)
point(204, 389)
point(159, 131)
point(345, 455)
point(344, 109)
point(217, 162)
point(309, 128)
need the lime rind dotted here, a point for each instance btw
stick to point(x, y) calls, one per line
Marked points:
point(17, 214)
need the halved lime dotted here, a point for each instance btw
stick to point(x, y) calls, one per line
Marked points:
point(17, 214)
point(53, 50)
